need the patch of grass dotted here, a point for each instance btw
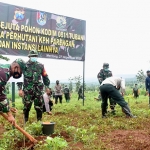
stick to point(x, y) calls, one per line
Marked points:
point(84, 124)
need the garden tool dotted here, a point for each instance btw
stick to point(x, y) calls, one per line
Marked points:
point(20, 129)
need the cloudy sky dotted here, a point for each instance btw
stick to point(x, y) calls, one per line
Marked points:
point(118, 32)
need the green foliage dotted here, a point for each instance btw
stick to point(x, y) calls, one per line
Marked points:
point(35, 128)
point(10, 138)
point(141, 76)
point(70, 84)
point(4, 58)
point(56, 143)
point(81, 124)
point(77, 80)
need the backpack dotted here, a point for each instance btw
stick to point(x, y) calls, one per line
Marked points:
point(80, 91)
point(66, 90)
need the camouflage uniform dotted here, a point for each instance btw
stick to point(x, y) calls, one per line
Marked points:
point(102, 75)
point(4, 77)
point(33, 87)
point(67, 94)
point(7, 88)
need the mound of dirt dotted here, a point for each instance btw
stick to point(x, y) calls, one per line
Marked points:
point(128, 140)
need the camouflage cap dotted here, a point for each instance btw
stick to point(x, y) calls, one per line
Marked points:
point(21, 63)
point(32, 53)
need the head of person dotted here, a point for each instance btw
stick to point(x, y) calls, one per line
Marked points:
point(48, 91)
point(135, 85)
point(65, 86)
point(106, 66)
point(17, 68)
point(57, 82)
point(33, 55)
point(148, 73)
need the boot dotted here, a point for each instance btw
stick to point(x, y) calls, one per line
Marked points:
point(113, 112)
point(104, 112)
point(39, 115)
point(127, 111)
point(26, 115)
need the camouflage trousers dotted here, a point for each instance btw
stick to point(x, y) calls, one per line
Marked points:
point(33, 95)
point(4, 106)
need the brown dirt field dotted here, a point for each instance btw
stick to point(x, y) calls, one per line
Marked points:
point(2, 130)
point(127, 140)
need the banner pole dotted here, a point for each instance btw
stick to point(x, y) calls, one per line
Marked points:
point(13, 98)
point(13, 94)
point(83, 79)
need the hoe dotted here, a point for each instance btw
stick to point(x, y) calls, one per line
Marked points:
point(34, 141)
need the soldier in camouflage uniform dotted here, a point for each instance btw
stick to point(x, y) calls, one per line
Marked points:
point(33, 86)
point(102, 75)
point(6, 71)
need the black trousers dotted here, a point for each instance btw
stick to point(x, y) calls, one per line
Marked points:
point(112, 103)
point(67, 97)
point(80, 96)
point(108, 90)
point(50, 106)
point(56, 99)
point(136, 95)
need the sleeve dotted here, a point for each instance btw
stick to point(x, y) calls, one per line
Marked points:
point(122, 86)
point(100, 77)
point(46, 102)
point(19, 85)
point(4, 106)
point(45, 78)
point(110, 74)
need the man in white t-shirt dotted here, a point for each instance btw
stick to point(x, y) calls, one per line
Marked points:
point(110, 87)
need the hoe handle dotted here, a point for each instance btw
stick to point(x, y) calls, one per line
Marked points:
point(21, 130)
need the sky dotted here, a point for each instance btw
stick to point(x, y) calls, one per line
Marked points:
point(117, 32)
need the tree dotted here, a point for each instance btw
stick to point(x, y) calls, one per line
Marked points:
point(4, 58)
point(63, 86)
point(141, 76)
point(70, 84)
point(77, 80)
